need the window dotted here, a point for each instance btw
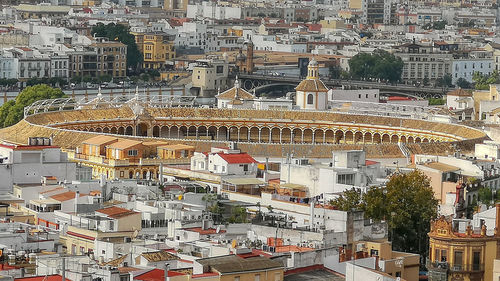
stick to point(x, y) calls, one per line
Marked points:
point(132, 152)
point(457, 259)
point(443, 256)
point(277, 276)
point(236, 278)
point(257, 277)
point(310, 99)
point(476, 260)
point(245, 168)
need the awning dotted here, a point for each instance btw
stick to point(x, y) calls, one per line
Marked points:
point(294, 186)
point(243, 181)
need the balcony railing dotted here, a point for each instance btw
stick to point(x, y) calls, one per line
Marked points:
point(445, 266)
point(466, 267)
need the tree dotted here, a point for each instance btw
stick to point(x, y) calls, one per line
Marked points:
point(239, 215)
point(121, 33)
point(407, 203)
point(434, 101)
point(445, 81)
point(378, 65)
point(12, 112)
point(463, 83)
point(483, 81)
point(351, 199)
point(485, 195)
point(87, 79)
point(426, 81)
point(438, 25)
point(334, 72)
point(76, 79)
point(105, 78)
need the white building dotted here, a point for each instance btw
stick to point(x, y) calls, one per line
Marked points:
point(27, 164)
point(8, 66)
point(224, 161)
point(465, 68)
point(366, 95)
point(210, 10)
point(59, 65)
point(270, 43)
point(349, 169)
point(311, 93)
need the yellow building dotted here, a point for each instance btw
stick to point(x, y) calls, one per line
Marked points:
point(176, 5)
point(332, 23)
point(468, 255)
point(397, 264)
point(173, 74)
point(355, 4)
point(120, 158)
point(157, 49)
point(481, 99)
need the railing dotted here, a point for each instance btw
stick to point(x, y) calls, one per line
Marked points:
point(445, 266)
point(466, 267)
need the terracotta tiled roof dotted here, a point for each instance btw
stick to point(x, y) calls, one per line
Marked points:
point(157, 275)
point(98, 140)
point(235, 93)
point(61, 197)
point(159, 256)
point(116, 212)
point(204, 231)
point(460, 93)
point(123, 144)
point(311, 85)
point(42, 278)
point(116, 262)
point(237, 158)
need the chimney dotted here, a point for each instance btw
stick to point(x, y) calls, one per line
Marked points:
point(167, 267)
point(77, 194)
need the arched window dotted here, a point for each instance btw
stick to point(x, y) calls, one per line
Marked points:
point(310, 99)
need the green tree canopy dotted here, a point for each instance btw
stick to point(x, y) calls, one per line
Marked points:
point(121, 33)
point(13, 111)
point(482, 82)
point(462, 83)
point(438, 25)
point(378, 65)
point(407, 203)
point(334, 72)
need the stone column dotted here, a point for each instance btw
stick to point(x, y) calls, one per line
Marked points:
point(259, 134)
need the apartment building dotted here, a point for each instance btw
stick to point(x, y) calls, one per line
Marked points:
point(111, 57)
point(210, 75)
point(421, 62)
point(157, 48)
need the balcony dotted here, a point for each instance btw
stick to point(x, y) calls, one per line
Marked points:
point(445, 267)
point(466, 267)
